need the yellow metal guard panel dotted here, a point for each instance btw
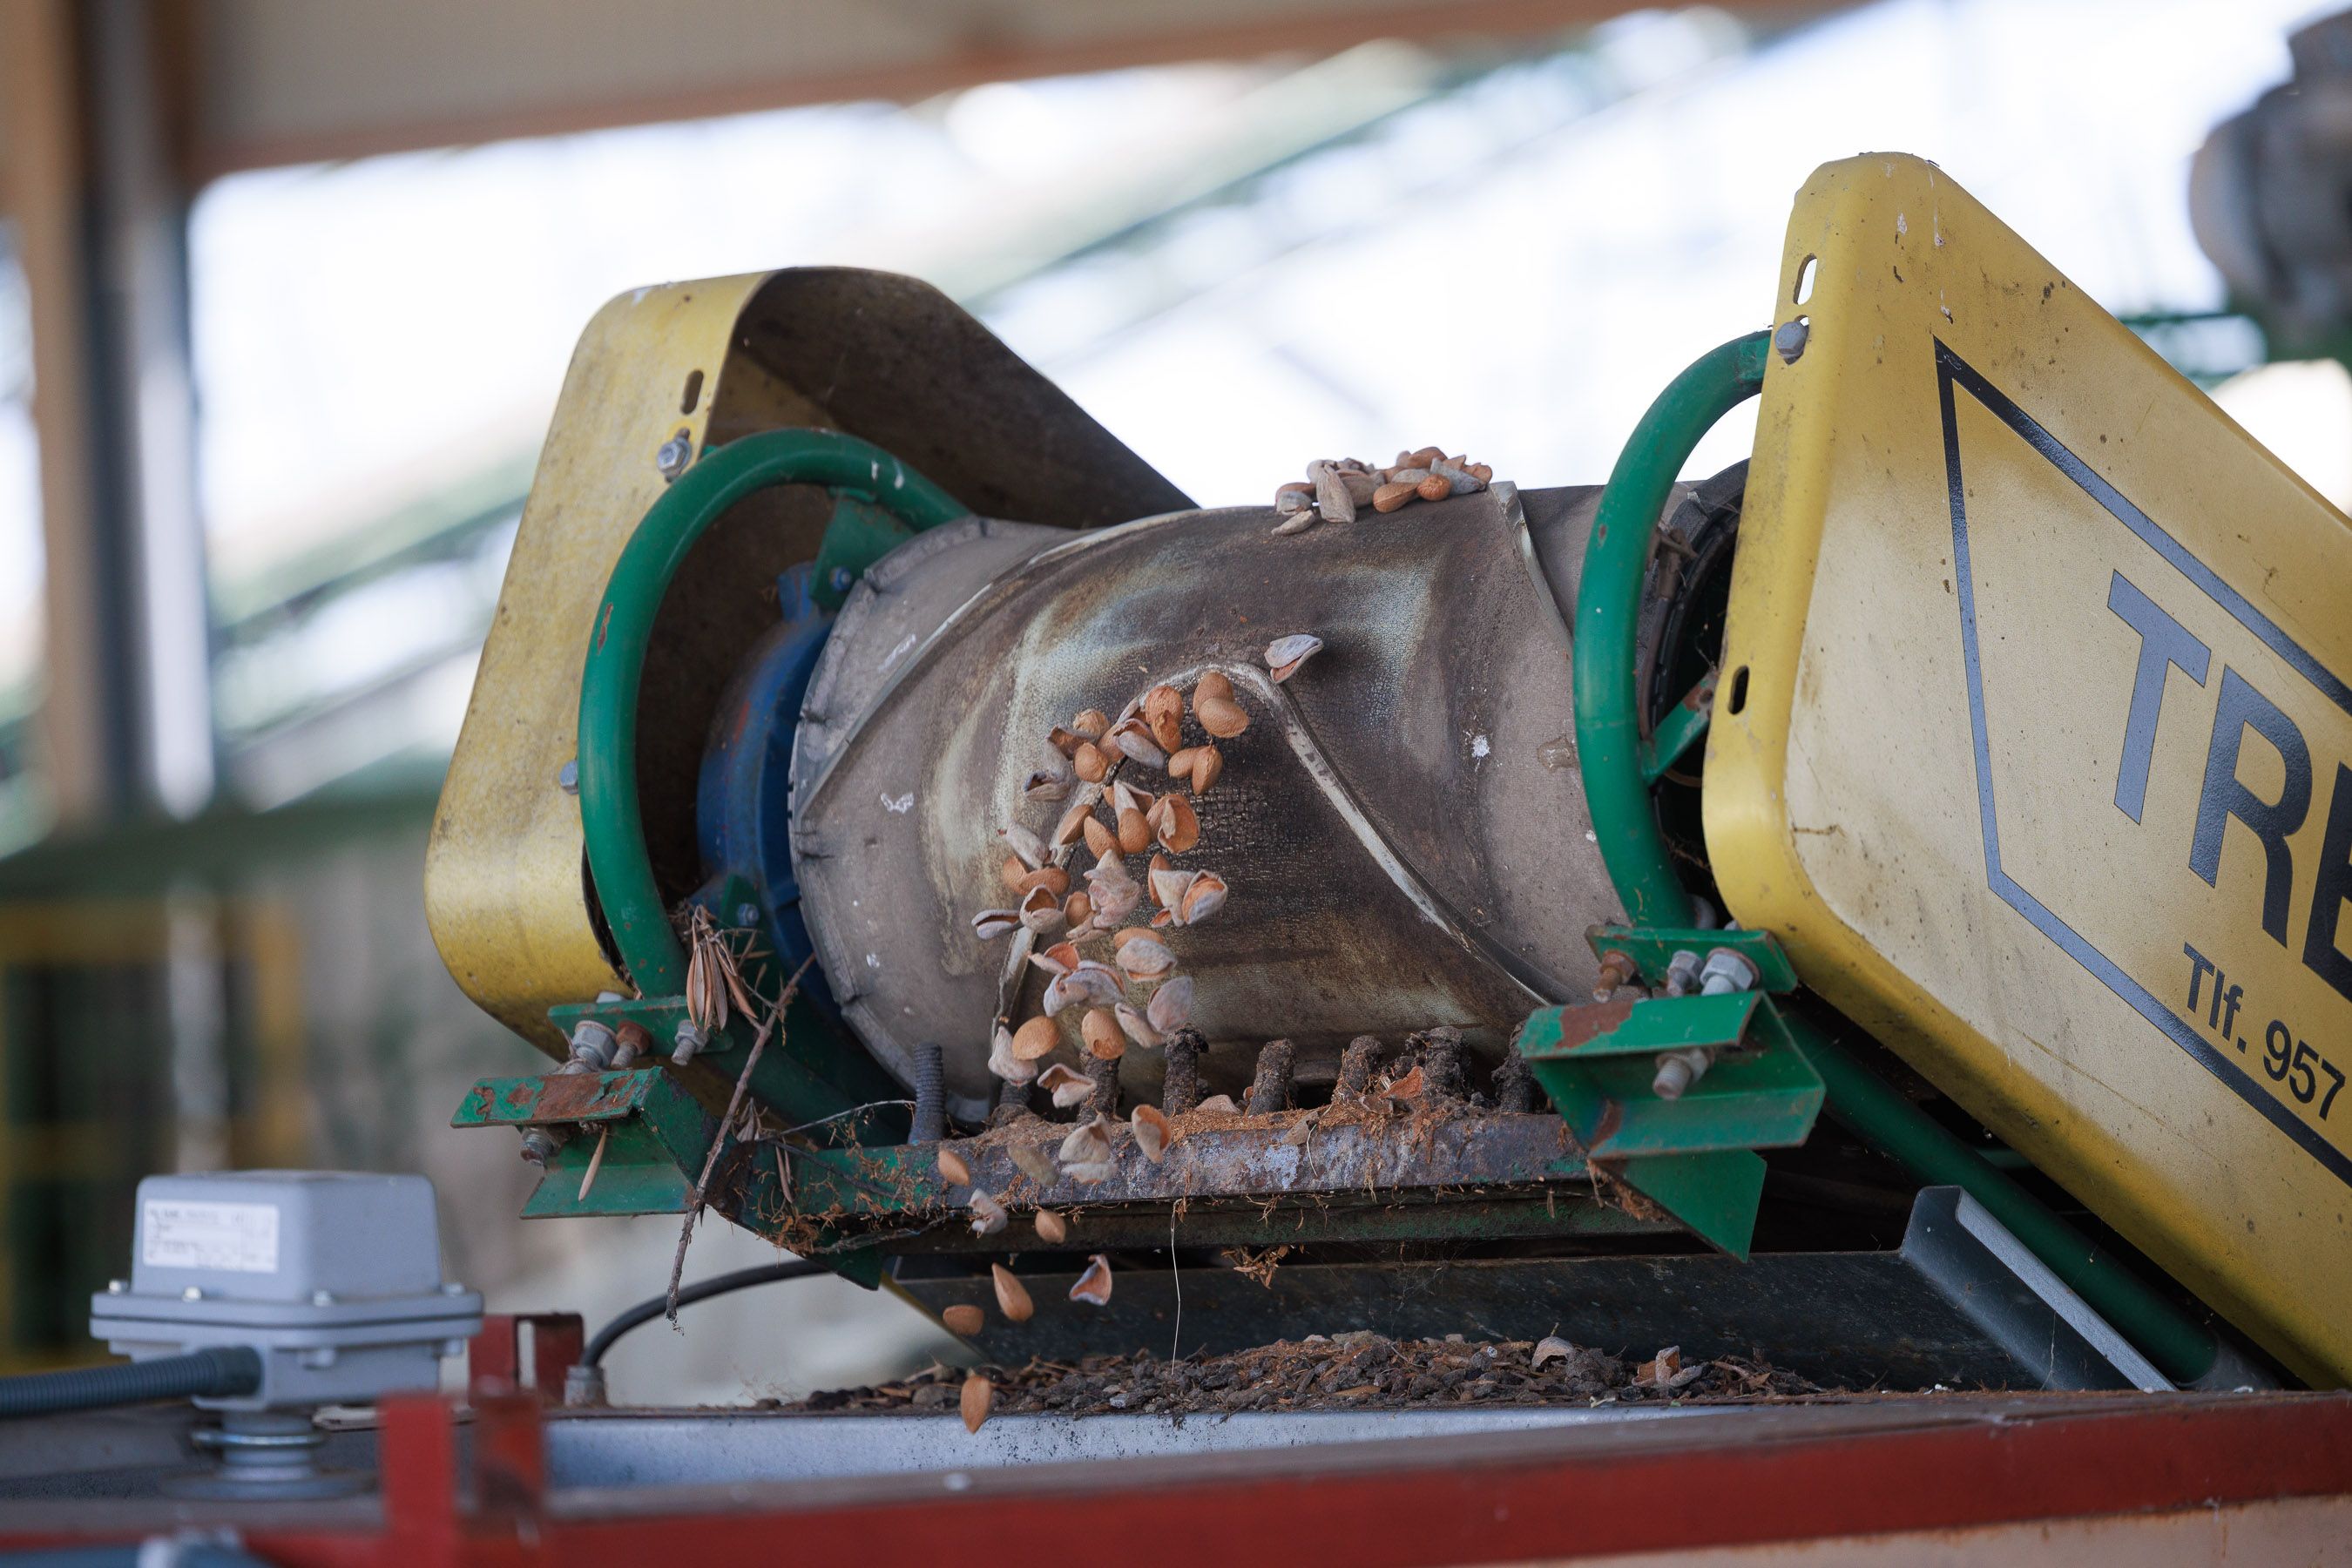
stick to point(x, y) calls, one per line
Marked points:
point(2039, 759)
point(504, 887)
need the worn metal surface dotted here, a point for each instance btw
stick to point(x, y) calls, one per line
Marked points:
point(2013, 1295)
point(2043, 720)
point(650, 1447)
point(886, 358)
point(1858, 1319)
point(1400, 825)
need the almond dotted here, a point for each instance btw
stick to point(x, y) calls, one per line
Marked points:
point(1163, 709)
point(1208, 764)
point(964, 1320)
point(1011, 1296)
point(1104, 1038)
point(1100, 839)
point(1220, 716)
point(1213, 683)
point(979, 1394)
point(1437, 487)
point(952, 1167)
point(1388, 498)
point(1089, 761)
point(1035, 1038)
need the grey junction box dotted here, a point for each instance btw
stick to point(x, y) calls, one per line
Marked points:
point(333, 1277)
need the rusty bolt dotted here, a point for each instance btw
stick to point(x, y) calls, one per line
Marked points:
point(1616, 969)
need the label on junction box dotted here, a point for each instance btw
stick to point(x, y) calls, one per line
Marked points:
point(179, 1234)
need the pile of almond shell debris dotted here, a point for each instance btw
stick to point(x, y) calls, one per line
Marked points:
point(1357, 1371)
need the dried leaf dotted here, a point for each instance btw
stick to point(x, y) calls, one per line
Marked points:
point(964, 1320)
point(952, 1167)
point(1011, 1296)
point(1094, 1285)
point(979, 1394)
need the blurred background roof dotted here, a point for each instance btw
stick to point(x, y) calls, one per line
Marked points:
point(1240, 233)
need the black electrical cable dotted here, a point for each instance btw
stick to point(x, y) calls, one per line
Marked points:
point(221, 1372)
point(700, 1291)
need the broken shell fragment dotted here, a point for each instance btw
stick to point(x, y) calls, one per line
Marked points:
point(1285, 654)
point(1550, 1347)
point(1125, 796)
point(978, 1396)
point(1085, 1155)
point(1168, 887)
point(964, 1320)
point(1058, 959)
point(990, 924)
point(1171, 1006)
point(1204, 898)
point(1115, 892)
point(1164, 711)
point(952, 1167)
point(1294, 496)
point(1331, 496)
point(1101, 1032)
point(1298, 521)
point(1064, 740)
point(1094, 1286)
point(1067, 1085)
point(1092, 983)
point(1359, 484)
point(1011, 1296)
point(1220, 716)
point(1047, 784)
point(1178, 828)
point(1024, 843)
point(1145, 956)
point(1035, 1038)
point(1004, 1063)
point(1208, 765)
point(1138, 1026)
point(1041, 911)
point(1219, 1105)
point(1150, 1130)
point(1458, 480)
point(1052, 1228)
point(1089, 761)
point(1091, 724)
point(1133, 737)
point(988, 1215)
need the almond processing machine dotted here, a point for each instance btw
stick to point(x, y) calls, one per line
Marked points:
point(1881, 906)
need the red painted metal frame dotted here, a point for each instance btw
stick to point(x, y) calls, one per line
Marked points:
point(494, 1358)
point(1788, 1474)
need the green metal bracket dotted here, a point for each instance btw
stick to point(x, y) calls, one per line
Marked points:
point(1678, 730)
point(1597, 1063)
point(652, 1130)
point(859, 534)
point(1653, 948)
point(1714, 1196)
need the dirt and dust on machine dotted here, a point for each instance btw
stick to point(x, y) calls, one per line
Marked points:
point(1874, 914)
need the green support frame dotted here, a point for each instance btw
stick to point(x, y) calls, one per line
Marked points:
point(1617, 766)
